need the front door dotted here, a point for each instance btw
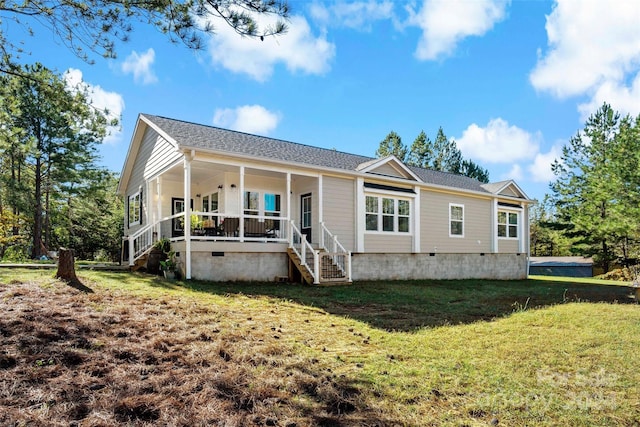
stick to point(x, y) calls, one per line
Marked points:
point(305, 216)
point(177, 224)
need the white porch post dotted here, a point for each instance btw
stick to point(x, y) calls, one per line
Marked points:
point(159, 206)
point(494, 226)
point(360, 215)
point(187, 214)
point(416, 220)
point(288, 204)
point(523, 221)
point(241, 203)
point(320, 198)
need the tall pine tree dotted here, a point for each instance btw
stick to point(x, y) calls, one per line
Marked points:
point(596, 187)
point(58, 131)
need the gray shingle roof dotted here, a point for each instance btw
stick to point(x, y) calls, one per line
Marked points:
point(196, 136)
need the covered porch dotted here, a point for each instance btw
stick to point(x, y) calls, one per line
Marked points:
point(213, 206)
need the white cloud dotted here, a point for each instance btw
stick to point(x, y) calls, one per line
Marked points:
point(139, 64)
point(540, 169)
point(498, 142)
point(623, 99)
point(111, 102)
point(515, 173)
point(247, 118)
point(358, 15)
point(445, 23)
point(299, 50)
point(594, 50)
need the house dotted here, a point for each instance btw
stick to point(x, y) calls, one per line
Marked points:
point(244, 207)
point(567, 266)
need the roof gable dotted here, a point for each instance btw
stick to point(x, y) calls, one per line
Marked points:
point(389, 166)
point(506, 188)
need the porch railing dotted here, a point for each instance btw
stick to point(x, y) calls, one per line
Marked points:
point(336, 262)
point(309, 257)
point(141, 241)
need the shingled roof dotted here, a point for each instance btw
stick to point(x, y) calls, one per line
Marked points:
point(196, 136)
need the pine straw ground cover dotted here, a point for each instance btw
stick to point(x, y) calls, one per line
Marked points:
point(139, 351)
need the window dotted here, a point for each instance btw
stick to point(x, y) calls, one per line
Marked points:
point(271, 204)
point(508, 224)
point(456, 220)
point(372, 213)
point(387, 214)
point(251, 203)
point(210, 202)
point(135, 208)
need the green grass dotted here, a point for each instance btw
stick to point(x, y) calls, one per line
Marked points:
point(451, 353)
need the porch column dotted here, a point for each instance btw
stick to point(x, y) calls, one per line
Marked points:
point(288, 207)
point(494, 226)
point(187, 214)
point(241, 203)
point(416, 220)
point(159, 206)
point(524, 221)
point(360, 215)
point(320, 209)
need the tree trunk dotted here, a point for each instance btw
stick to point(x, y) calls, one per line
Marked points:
point(66, 266)
point(67, 270)
point(36, 250)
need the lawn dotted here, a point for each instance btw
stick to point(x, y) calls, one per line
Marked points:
point(138, 350)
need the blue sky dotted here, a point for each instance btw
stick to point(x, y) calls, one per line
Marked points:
point(510, 81)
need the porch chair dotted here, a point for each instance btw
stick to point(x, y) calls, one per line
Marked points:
point(230, 226)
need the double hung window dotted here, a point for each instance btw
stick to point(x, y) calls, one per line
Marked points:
point(135, 207)
point(387, 214)
point(456, 220)
point(508, 224)
point(268, 205)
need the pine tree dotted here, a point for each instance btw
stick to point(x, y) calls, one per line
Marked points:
point(596, 187)
point(392, 144)
point(421, 151)
point(58, 131)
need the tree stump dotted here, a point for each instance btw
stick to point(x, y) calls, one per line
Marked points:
point(67, 270)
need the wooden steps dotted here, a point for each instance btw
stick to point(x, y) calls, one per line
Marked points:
point(330, 274)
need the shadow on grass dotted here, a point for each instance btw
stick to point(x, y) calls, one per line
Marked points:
point(410, 305)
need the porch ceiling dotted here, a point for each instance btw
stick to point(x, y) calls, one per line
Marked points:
point(201, 171)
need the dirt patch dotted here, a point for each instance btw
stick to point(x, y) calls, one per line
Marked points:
point(72, 358)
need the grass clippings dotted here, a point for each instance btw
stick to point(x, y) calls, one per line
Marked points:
point(141, 351)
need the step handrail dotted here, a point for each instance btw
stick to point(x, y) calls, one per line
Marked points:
point(301, 247)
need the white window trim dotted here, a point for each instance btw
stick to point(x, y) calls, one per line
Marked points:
point(517, 226)
point(456, 236)
point(262, 212)
point(137, 209)
point(379, 196)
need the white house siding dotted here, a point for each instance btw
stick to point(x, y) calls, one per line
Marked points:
point(434, 224)
point(155, 153)
point(161, 153)
point(339, 208)
point(387, 243)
